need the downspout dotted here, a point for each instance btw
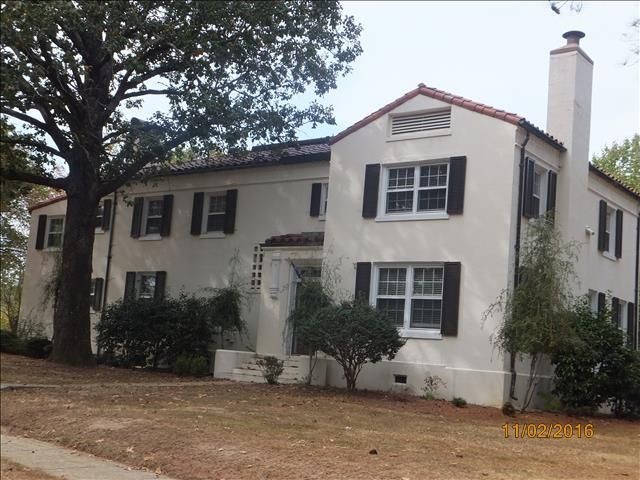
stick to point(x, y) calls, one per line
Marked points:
point(636, 291)
point(512, 355)
point(109, 254)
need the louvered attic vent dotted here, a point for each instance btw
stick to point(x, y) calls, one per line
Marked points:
point(421, 122)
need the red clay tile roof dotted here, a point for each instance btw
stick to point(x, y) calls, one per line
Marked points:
point(462, 102)
point(614, 181)
point(304, 239)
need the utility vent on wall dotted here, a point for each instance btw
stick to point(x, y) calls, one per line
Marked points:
point(421, 122)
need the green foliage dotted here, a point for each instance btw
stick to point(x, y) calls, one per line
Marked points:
point(193, 365)
point(595, 366)
point(38, 347)
point(143, 332)
point(459, 402)
point(271, 368)
point(11, 343)
point(535, 314)
point(622, 160)
point(354, 333)
point(432, 383)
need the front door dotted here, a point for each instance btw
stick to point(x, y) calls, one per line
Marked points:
point(300, 274)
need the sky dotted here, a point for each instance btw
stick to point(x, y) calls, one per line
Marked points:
point(495, 53)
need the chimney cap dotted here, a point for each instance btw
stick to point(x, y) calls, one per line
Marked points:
point(573, 37)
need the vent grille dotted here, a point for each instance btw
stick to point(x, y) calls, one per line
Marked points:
point(421, 122)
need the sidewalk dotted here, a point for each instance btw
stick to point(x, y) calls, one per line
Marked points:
point(65, 463)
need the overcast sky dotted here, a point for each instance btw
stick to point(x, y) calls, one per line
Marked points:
point(491, 52)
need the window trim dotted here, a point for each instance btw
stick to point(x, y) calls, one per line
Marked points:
point(383, 190)
point(48, 232)
point(205, 215)
point(406, 330)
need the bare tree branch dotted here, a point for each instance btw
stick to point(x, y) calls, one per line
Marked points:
point(11, 174)
point(32, 143)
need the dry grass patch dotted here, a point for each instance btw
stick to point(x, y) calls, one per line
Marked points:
point(243, 431)
point(14, 471)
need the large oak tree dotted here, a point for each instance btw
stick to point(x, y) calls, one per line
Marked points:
point(233, 73)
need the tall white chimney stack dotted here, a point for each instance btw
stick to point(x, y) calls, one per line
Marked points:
point(569, 120)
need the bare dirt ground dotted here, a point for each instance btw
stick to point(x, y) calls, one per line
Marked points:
point(226, 430)
point(13, 471)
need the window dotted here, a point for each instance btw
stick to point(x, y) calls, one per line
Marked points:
point(99, 215)
point(145, 285)
point(324, 195)
point(417, 189)
point(55, 229)
point(609, 231)
point(214, 220)
point(92, 290)
point(537, 192)
point(153, 216)
point(411, 296)
point(256, 269)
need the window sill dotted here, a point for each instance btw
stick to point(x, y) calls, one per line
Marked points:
point(52, 249)
point(609, 256)
point(99, 231)
point(414, 136)
point(420, 333)
point(150, 237)
point(413, 216)
point(213, 235)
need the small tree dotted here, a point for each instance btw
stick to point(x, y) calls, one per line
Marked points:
point(535, 312)
point(354, 333)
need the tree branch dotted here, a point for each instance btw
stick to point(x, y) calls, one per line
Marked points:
point(33, 143)
point(10, 174)
point(140, 93)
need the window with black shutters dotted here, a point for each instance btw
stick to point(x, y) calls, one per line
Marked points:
point(217, 204)
point(152, 222)
point(415, 190)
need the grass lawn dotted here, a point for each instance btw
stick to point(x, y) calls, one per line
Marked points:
point(226, 430)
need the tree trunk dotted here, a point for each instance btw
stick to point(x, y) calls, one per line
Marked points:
point(71, 321)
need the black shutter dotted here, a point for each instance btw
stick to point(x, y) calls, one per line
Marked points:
point(42, 230)
point(136, 219)
point(615, 311)
point(316, 190)
point(167, 210)
point(455, 193)
point(602, 302)
point(363, 280)
point(130, 286)
point(196, 213)
point(97, 294)
point(528, 204)
point(450, 299)
point(230, 212)
point(631, 324)
point(602, 226)
point(161, 282)
point(552, 183)
point(370, 195)
point(106, 214)
point(619, 233)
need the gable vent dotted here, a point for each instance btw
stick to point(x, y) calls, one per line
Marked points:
point(421, 122)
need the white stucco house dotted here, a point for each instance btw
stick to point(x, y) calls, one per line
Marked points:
point(420, 207)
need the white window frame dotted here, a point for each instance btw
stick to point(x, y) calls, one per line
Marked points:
point(324, 196)
point(205, 215)
point(101, 216)
point(138, 284)
point(145, 216)
point(414, 214)
point(610, 229)
point(406, 330)
point(543, 174)
point(48, 231)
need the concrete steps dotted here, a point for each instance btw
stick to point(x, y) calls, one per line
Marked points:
point(249, 371)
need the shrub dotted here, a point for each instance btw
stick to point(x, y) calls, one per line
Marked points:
point(194, 365)
point(508, 409)
point(431, 385)
point(354, 333)
point(271, 368)
point(597, 367)
point(11, 343)
point(459, 402)
point(38, 347)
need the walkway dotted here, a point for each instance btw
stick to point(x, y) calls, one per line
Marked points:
point(65, 463)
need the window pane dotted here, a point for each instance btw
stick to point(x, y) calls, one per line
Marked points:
point(215, 223)
point(54, 240)
point(535, 202)
point(427, 281)
point(155, 208)
point(56, 225)
point(217, 203)
point(425, 313)
point(401, 178)
point(433, 176)
point(537, 182)
point(392, 281)
point(99, 215)
point(147, 286)
point(153, 225)
point(434, 199)
point(393, 308)
point(400, 201)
